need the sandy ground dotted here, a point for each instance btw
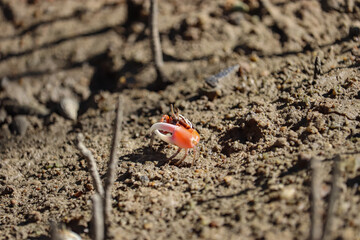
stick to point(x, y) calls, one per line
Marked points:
point(259, 129)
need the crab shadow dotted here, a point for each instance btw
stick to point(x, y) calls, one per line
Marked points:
point(146, 154)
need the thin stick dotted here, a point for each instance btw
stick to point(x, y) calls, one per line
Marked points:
point(316, 221)
point(334, 194)
point(91, 165)
point(349, 5)
point(111, 171)
point(317, 67)
point(97, 218)
point(155, 40)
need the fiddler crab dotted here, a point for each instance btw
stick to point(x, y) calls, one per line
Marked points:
point(177, 130)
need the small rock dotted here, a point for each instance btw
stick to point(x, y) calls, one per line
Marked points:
point(69, 107)
point(228, 180)
point(280, 142)
point(192, 33)
point(13, 90)
point(89, 187)
point(7, 190)
point(20, 124)
point(211, 94)
point(244, 68)
point(236, 18)
point(214, 224)
point(13, 202)
point(304, 159)
point(204, 220)
point(288, 193)
point(148, 226)
point(254, 58)
point(144, 179)
point(354, 30)
point(34, 216)
point(78, 194)
point(219, 84)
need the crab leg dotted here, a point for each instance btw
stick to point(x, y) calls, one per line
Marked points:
point(175, 154)
point(181, 160)
point(194, 157)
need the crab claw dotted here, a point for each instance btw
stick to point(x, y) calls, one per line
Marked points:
point(180, 136)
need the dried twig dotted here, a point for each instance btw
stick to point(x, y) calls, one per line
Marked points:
point(155, 40)
point(334, 194)
point(102, 198)
point(91, 164)
point(317, 67)
point(110, 175)
point(316, 219)
point(97, 217)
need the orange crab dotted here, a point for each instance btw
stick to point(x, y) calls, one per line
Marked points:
point(177, 130)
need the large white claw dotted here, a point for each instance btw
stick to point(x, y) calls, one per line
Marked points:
point(166, 127)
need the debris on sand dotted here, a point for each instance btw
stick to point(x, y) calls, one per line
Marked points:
point(20, 125)
point(69, 107)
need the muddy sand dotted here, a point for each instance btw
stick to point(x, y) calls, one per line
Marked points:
point(294, 96)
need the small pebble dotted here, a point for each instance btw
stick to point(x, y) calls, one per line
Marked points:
point(254, 58)
point(89, 186)
point(283, 129)
point(144, 179)
point(236, 18)
point(13, 202)
point(229, 116)
point(20, 124)
point(148, 226)
point(78, 194)
point(280, 142)
point(228, 180)
point(288, 193)
point(192, 33)
point(34, 216)
point(69, 107)
point(304, 157)
point(152, 184)
point(7, 190)
point(354, 30)
point(214, 224)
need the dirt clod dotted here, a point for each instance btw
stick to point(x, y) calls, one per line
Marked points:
point(34, 216)
point(7, 190)
point(280, 142)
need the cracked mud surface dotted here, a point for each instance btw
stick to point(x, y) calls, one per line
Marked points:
point(251, 179)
